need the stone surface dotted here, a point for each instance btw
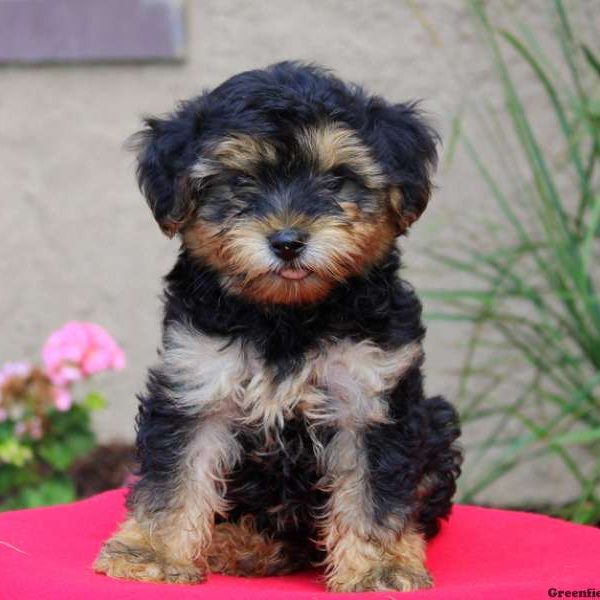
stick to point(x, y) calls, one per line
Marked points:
point(78, 241)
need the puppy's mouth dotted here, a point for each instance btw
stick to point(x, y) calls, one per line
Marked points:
point(293, 274)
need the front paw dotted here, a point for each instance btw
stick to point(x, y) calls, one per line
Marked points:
point(126, 562)
point(390, 577)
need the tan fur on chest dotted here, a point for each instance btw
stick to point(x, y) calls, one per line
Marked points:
point(341, 382)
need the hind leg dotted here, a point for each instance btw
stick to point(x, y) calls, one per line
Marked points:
point(240, 549)
point(444, 459)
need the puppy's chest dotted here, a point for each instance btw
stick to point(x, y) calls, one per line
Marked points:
point(342, 382)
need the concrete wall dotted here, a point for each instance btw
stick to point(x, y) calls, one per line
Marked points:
point(77, 241)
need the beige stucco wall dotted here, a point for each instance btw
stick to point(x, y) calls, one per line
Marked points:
point(77, 241)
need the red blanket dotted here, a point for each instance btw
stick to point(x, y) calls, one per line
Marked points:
point(481, 553)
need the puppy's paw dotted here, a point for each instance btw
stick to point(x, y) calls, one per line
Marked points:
point(189, 574)
point(126, 562)
point(391, 577)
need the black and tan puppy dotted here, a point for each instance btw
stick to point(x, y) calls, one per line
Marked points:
point(286, 421)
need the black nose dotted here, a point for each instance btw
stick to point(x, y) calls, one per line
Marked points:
point(288, 243)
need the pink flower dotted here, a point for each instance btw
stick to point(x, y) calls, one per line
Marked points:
point(32, 428)
point(79, 350)
point(14, 369)
point(62, 398)
point(65, 374)
point(35, 428)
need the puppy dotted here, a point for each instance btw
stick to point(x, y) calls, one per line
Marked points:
point(285, 422)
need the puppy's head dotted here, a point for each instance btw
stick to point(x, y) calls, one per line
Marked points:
point(287, 181)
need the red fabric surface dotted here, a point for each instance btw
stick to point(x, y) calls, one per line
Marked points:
point(47, 553)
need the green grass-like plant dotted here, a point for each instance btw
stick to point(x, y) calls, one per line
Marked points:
point(532, 293)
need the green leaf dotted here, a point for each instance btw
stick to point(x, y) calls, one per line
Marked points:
point(56, 454)
point(7, 429)
point(582, 437)
point(80, 442)
point(94, 401)
point(455, 135)
point(75, 419)
point(12, 477)
point(15, 453)
point(591, 58)
point(59, 490)
point(60, 453)
point(555, 101)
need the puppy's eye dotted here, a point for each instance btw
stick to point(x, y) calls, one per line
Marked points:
point(341, 185)
point(334, 184)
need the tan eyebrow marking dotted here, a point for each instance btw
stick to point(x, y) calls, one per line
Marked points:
point(332, 145)
point(238, 152)
point(243, 152)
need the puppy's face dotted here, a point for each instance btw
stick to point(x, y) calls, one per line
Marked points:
point(285, 220)
point(284, 212)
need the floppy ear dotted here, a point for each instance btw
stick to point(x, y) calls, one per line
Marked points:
point(166, 150)
point(406, 147)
